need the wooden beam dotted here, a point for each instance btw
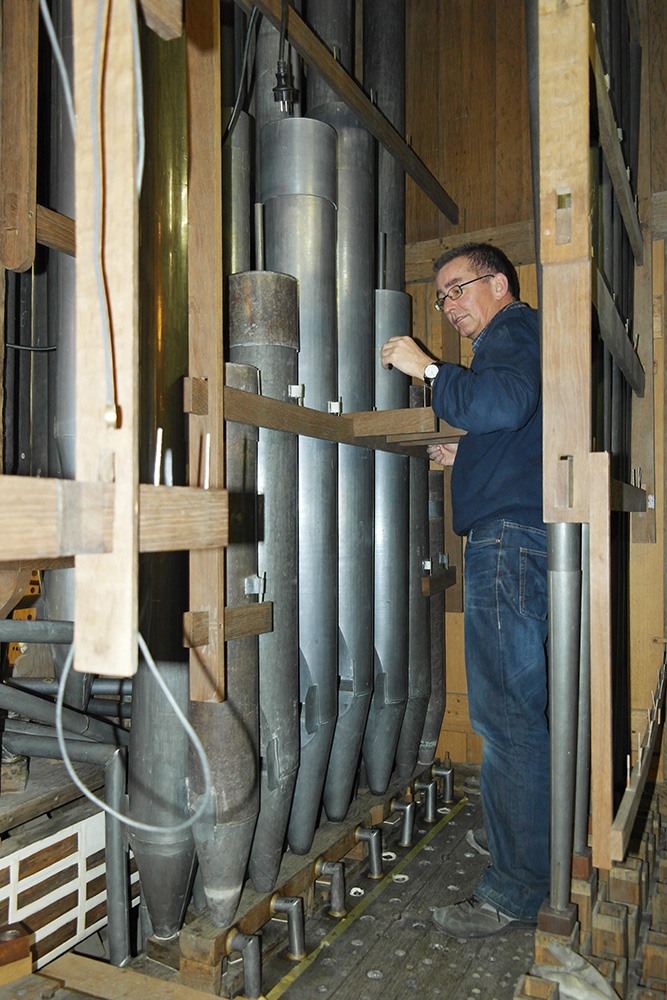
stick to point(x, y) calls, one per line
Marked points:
point(106, 414)
point(613, 154)
point(602, 778)
point(110, 982)
point(659, 215)
point(517, 239)
point(436, 582)
point(317, 55)
point(164, 17)
point(206, 360)
point(56, 231)
point(625, 497)
point(394, 422)
point(18, 133)
point(616, 337)
point(247, 620)
point(175, 518)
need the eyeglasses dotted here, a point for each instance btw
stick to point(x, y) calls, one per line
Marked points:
point(456, 291)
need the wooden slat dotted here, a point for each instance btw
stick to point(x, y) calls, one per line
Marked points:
point(390, 422)
point(602, 782)
point(250, 619)
point(112, 983)
point(206, 361)
point(659, 215)
point(18, 133)
point(621, 829)
point(517, 239)
point(624, 497)
point(107, 452)
point(262, 411)
point(164, 17)
point(613, 153)
point(308, 45)
point(643, 440)
point(56, 231)
point(616, 337)
point(173, 518)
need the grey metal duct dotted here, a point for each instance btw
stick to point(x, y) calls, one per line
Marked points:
point(564, 578)
point(583, 776)
point(236, 180)
point(31, 706)
point(263, 323)
point(355, 301)
point(419, 627)
point(229, 730)
point(384, 74)
point(392, 318)
point(436, 704)
point(298, 163)
point(333, 22)
point(157, 793)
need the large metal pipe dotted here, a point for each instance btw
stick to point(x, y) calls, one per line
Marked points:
point(355, 299)
point(436, 703)
point(392, 318)
point(31, 706)
point(384, 74)
point(26, 630)
point(229, 730)
point(564, 581)
point(299, 191)
point(333, 23)
point(583, 771)
point(236, 181)
point(419, 628)
point(263, 324)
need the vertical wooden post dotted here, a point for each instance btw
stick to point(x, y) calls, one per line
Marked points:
point(207, 568)
point(18, 136)
point(106, 584)
point(565, 256)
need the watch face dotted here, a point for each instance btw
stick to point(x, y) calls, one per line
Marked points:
point(431, 371)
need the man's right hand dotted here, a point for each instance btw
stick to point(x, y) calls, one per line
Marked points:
point(443, 454)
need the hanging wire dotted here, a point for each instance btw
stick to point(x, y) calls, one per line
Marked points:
point(239, 93)
point(60, 62)
point(136, 824)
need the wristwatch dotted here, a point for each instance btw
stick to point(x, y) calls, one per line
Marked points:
point(431, 371)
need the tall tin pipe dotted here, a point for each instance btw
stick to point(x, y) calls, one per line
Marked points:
point(355, 301)
point(60, 275)
point(263, 323)
point(229, 730)
point(158, 764)
point(384, 74)
point(333, 22)
point(436, 703)
point(236, 180)
point(298, 169)
point(392, 318)
point(419, 626)
point(583, 775)
point(564, 579)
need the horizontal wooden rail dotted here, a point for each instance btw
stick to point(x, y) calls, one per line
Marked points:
point(517, 239)
point(317, 55)
point(46, 519)
point(615, 336)
point(56, 231)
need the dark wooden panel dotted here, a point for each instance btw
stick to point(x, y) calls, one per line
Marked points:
point(43, 857)
point(658, 60)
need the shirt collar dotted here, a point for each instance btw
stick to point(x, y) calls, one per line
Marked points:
point(478, 341)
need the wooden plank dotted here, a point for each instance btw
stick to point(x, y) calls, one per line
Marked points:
point(109, 982)
point(435, 583)
point(206, 360)
point(513, 188)
point(56, 231)
point(613, 154)
point(615, 336)
point(625, 497)
point(393, 422)
point(602, 782)
point(18, 133)
point(164, 17)
point(317, 55)
point(173, 518)
point(642, 447)
point(247, 620)
point(517, 239)
point(657, 57)
point(106, 414)
point(659, 215)
point(49, 787)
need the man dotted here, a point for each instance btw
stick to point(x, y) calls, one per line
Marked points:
point(497, 505)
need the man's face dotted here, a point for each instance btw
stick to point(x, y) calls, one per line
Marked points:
point(478, 304)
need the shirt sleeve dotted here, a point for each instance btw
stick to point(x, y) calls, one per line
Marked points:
point(501, 389)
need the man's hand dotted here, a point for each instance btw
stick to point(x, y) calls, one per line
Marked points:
point(406, 355)
point(443, 454)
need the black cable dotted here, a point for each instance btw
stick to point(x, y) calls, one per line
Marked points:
point(237, 104)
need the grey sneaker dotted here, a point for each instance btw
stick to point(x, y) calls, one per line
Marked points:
point(478, 841)
point(470, 919)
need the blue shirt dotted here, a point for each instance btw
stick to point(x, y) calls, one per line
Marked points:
point(498, 402)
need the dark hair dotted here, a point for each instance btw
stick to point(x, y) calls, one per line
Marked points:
point(483, 257)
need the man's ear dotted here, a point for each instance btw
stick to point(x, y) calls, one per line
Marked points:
point(500, 285)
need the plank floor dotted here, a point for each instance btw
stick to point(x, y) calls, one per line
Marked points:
point(387, 946)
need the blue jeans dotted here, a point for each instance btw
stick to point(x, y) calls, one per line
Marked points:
point(505, 626)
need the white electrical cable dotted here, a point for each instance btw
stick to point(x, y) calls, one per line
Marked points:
point(136, 824)
point(60, 62)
